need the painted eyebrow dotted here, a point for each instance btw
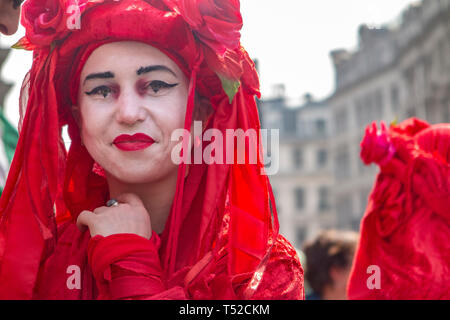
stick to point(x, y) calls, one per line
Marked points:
point(147, 69)
point(101, 75)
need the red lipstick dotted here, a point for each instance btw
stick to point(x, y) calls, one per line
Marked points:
point(138, 141)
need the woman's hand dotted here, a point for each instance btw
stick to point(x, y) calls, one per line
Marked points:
point(130, 216)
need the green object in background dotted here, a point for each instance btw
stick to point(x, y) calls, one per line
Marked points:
point(9, 138)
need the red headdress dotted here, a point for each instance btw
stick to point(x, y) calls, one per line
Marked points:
point(404, 249)
point(219, 210)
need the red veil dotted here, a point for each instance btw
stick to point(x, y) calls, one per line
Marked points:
point(223, 215)
point(404, 249)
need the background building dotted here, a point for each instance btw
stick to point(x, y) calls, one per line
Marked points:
point(398, 71)
point(302, 187)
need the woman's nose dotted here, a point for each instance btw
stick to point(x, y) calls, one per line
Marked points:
point(130, 109)
point(9, 17)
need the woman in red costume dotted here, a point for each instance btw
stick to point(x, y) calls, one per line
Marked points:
point(404, 248)
point(115, 217)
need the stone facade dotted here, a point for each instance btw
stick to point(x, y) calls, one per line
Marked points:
point(396, 73)
point(303, 184)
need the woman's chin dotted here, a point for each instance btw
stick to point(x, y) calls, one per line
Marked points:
point(136, 176)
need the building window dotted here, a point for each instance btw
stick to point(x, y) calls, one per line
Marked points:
point(442, 57)
point(395, 99)
point(344, 209)
point(277, 201)
point(299, 198)
point(324, 203)
point(341, 121)
point(320, 127)
point(379, 105)
point(368, 108)
point(300, 236)
point(427, 70)
point(342, 163)
point(298, 158)
point(290, 122)
point(322, 158)
point(360, 113)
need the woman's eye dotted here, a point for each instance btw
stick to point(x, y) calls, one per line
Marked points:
point(157, 85)
point(102, 90)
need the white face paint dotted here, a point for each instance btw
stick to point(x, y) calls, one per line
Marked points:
point(129, 88)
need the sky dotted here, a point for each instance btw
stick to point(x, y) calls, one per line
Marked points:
point(291, 39)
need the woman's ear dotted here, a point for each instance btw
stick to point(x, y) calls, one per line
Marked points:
point(202, 108)
point(76, 114)
point(77, 117)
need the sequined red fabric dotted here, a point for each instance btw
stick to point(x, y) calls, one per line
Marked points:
point(128, 267)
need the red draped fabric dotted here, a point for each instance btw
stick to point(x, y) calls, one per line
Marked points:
point(404, 248)
point(221, 239)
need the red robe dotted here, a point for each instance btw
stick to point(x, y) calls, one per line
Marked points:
point(127, 266)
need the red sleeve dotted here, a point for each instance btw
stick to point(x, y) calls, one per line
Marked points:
point(127, 266)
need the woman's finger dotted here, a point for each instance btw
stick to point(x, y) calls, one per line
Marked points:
point(85, 219)
point(129, 198)
point(100, 210)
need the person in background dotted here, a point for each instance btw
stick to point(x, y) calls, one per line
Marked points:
point(404, 248)
point(9, 16)
point(328, 262)
point(9, 21)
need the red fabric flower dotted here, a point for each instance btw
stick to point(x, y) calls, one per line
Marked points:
point(49, 20)
point(44, 20)
point(376, 146)
point(216, 23)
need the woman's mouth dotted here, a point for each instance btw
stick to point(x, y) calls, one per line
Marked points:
point(135, 142)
